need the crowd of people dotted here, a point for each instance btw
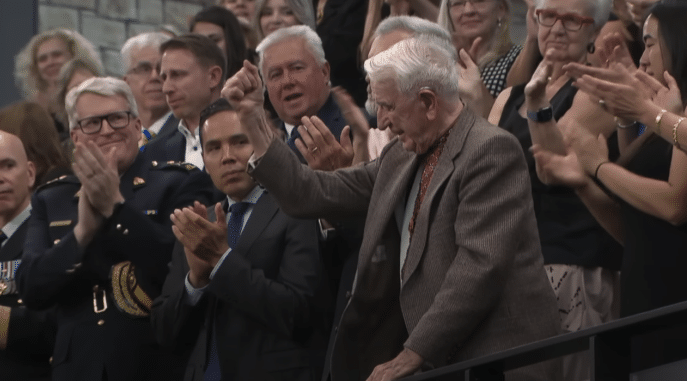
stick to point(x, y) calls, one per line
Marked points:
point(343, 190)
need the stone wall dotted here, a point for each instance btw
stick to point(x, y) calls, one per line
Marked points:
point(109, 23)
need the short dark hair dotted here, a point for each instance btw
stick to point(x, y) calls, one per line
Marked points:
point(205, 51)
point(215, 107)
point(671, 16)
point(233, 35)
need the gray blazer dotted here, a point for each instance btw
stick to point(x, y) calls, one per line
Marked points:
point(474, 281)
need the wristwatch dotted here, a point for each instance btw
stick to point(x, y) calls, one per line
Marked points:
point(542, 115)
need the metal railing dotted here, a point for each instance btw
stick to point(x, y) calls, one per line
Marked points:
point(609, 348)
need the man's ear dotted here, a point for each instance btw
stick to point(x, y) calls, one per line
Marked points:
point(326, 70)
point(31, 168)
point(429, 102)
point(215, 74)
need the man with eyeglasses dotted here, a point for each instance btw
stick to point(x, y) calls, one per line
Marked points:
point(100, 241)
point(141, 62)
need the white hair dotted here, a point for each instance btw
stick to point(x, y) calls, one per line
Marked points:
point(104, 86)
point(418, 62)
point(140, 41)
point(311, 39)
point(414, 25)
point(600, 10)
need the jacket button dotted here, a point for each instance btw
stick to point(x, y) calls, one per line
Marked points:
point(101, 322)
point(55, 242)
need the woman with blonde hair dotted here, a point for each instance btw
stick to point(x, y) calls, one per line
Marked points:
point(37, 66)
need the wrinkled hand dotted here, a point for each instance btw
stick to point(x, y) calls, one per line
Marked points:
point(590, 150)
point(470, 85)
point(202, 238)
point(638, 9)
point(99, 177)
point(535, 90)
point(407, 362)
point(613, 49)
point(244, 89)
point(554, 169)
point(319, 147)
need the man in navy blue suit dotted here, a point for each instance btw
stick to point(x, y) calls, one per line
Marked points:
point(243, 276)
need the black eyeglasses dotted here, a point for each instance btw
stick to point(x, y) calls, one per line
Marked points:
point(570, 21)
point(93, 124)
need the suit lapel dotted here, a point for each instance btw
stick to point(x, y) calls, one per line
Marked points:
point(442, 173)
point(14, 246)
point(263, 212)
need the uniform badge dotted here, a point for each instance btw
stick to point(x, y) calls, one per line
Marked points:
point(60, 223)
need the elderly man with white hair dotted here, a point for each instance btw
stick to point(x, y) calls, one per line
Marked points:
point(141, 62)
point(100, 242)
point(450, 266)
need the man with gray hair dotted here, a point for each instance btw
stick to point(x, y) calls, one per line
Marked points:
point(141, 62)
point(101, 241)
point(296, 75)
point(450, 266)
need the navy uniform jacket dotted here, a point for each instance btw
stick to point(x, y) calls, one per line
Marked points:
point(54, 272)
point(31, 334)
point(259, 301)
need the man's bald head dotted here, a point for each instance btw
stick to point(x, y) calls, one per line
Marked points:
point(17, 177)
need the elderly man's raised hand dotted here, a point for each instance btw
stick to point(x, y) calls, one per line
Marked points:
point(244, 91)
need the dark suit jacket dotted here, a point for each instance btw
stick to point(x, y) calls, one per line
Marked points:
point(474, 281)
point(258, 302)
point(88, 344)
point(168, 145)
point(31, 334)
point(330, 114)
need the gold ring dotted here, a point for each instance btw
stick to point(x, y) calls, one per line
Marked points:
point(602, 103)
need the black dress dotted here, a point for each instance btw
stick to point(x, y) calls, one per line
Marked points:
point(568, 232)
point(655, 250)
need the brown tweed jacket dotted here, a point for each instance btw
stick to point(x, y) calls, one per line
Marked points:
point(474, 281)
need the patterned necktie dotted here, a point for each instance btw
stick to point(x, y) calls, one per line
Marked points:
point(238, 210)
point(430, 160)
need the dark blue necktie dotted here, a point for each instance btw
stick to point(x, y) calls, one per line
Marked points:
point(237, 210)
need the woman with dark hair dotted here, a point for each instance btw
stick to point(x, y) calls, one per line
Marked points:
point(34, 127)
point(222, 27)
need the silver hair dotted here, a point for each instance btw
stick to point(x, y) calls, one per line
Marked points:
point(26, 74)
point(311, 39)
point(302, 9)
point(600, 10)
point(418, 62)
point(414, 25)
point(140, 41)
point(104, 86)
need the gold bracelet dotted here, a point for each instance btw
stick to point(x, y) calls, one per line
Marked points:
point(675, 131)
point(658, 120)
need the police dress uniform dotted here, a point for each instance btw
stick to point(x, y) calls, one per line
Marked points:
point(103, 294)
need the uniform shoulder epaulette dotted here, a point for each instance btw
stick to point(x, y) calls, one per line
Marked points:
point(64, 179)
point(173, 165)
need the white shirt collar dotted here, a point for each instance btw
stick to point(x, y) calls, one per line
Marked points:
point(157, 125)
point(13, 225)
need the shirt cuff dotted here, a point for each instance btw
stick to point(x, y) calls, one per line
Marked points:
point(219, 263)
point(253, 162)
point(193, 294)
